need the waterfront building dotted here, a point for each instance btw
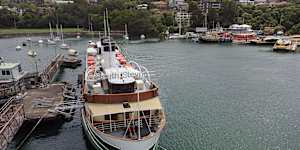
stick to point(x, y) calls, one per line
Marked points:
point(246, 1)
point(178, 4)
point(183, 18)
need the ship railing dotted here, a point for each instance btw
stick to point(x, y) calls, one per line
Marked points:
point(117, 98)
point(114, 125)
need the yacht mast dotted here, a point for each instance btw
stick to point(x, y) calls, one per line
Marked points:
point(57, 30)
point(62, 34)
point(180, 22)
point(126, 32)
point(51, 33)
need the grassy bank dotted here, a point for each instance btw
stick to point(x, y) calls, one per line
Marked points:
point(19, 32)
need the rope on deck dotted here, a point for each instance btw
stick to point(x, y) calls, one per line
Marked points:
point(161, 147)
point(31, 131)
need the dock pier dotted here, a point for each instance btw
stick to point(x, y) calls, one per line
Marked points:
point(35, 103)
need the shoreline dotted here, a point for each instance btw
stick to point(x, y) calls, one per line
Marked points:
point(11, 33)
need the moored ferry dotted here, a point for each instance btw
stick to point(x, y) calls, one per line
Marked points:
point(285, 45)
point(11, 79)
point(122, 109)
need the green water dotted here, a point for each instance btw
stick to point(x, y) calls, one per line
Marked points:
point(221, 97)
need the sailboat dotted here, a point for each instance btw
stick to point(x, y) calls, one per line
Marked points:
point(31, 52)
point(63, 45)
point(57, 38)
point(120, 112)
point(51, 41)
point(18, 47)
point(78, 33)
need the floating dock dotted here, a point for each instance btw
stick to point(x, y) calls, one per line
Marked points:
point(37, 102)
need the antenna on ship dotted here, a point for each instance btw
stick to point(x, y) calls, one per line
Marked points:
point(104, 21)
point(109, 40)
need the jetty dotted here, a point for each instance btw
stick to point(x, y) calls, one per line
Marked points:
point(41, 100)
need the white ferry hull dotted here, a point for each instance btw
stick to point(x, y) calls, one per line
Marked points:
point(102, 142)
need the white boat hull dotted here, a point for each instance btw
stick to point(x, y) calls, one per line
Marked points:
point(102, 141)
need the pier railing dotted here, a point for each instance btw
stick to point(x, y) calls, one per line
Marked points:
point(119, 98)
point(11, 118)
point(49, 72)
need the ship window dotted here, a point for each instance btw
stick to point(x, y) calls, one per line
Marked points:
point(106, 117)
point(5, 72)
point(122, 88)
point(114, 117)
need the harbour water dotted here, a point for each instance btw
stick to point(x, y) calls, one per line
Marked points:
point(215, 96)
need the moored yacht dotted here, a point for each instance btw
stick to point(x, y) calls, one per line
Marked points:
point(122, 109)
point(242, 34)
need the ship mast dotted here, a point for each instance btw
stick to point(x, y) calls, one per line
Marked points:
point(109, 40)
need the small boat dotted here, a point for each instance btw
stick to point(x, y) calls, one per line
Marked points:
point(56, 39)
point(18, 48)
point(191, 35)
point(210, 37)
point(50, 41)
point(268, 40)
point(40, 41)
point(72, 52)
point(176, 36)
point(71, 61)
point(63, 45)
point(32, 53)
point(285, 45)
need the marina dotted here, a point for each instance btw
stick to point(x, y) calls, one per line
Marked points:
point(250, 99)
point(150, 75)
